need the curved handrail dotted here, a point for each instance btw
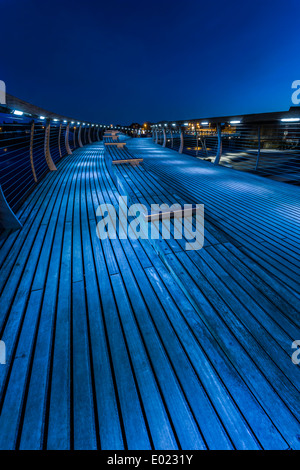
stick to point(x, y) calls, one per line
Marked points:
point(32, 141)
point(267, 144)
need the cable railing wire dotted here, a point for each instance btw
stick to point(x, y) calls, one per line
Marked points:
point(268, 148)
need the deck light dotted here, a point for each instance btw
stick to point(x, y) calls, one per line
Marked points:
point(42, 117)
point(186, 124)
point(18, 113)
point(55, 120)
point(235, 122)
point(290, 120)
point(65, 121)
point(204, 123)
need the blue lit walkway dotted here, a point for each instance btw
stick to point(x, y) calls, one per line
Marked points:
point(118, 344)
point(262, 216)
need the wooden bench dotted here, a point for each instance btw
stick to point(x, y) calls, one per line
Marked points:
point(131, 161)
point(166, 214)
point(117, 144)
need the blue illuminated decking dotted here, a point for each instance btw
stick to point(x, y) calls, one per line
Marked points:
point(119, 344)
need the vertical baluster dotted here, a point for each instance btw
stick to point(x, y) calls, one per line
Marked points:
point(181, 141)
point(219, 150)
point(69, 151)
point(47, 153)
point(258, 148)
point(31, 152)
point(59, 135)
point(79, 137)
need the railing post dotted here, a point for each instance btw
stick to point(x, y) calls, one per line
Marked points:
point(8, 220)
point(258, 149)
point(59, 135)
point(165, 137)
point(74, 137)
point(67, 145)
point(171, 139)
point(98, 134)
point(219, 150)
point(153, 134)
point(156, 139)
point(31, 151)
point(203, 145)
point(89, 136)
point(79, 137)
point(181, 141)
point(47, 153)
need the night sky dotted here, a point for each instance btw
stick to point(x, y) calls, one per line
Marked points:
point(132, 61)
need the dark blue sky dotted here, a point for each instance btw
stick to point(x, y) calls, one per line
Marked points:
point(124, 61)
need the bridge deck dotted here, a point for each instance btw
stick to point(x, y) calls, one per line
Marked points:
point(118, 344)
point(261, 215)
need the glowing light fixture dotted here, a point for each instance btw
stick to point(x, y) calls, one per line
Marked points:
point(18, 113)
point(290, 120)
point(235, 122)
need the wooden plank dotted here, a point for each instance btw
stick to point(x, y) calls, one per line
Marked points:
point(83, 407)
point(10, 418)
point(221, 380)
point(59, 424)
point(109, 420)
point(33, 430)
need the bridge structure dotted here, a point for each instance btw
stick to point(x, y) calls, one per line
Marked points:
point(137, 343)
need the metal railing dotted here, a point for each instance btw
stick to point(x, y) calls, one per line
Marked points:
point(265, 144)
point(30, 146)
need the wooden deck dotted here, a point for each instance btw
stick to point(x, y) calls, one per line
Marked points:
point(130, 344)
